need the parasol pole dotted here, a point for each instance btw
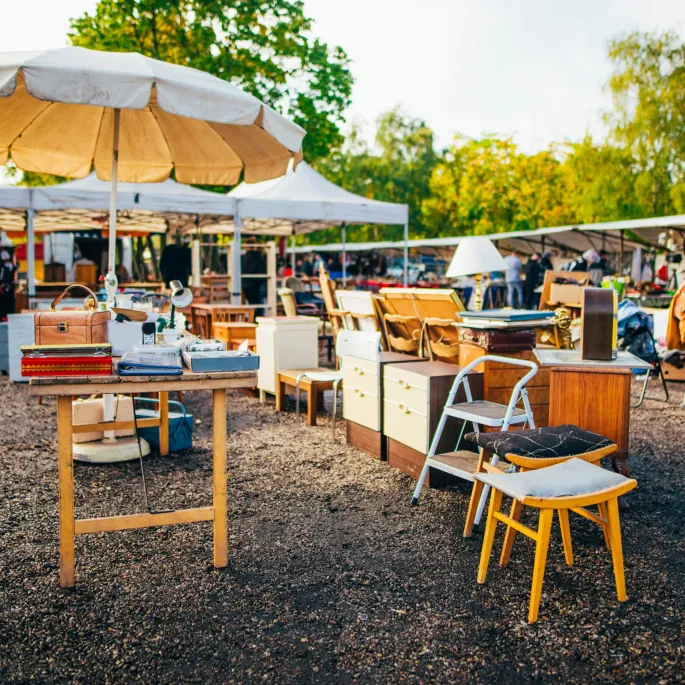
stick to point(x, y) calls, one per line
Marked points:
point(406, 255)
point(344, 256)
point(31, 247)
point(111, 281)
point(237, 280)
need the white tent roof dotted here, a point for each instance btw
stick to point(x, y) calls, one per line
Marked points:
point(83, 205)
point(304, 201)
point(574, 239)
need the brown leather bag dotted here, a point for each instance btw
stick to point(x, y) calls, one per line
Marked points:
point(71, 327)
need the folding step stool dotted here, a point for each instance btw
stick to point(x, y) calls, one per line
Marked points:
point(462, 463)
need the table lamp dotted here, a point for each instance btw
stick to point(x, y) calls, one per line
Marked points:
point(475, 257)
point(180, 297)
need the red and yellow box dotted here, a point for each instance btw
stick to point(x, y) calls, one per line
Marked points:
point(66, 366)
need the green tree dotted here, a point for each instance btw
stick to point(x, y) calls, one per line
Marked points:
point(397, 169)
point(263, 46)
point(648, 116)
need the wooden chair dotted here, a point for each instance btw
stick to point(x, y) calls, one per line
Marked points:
point(291, 308)
point(441, 340)
point(336, 316)
point(201, 321)
point(569, 486)
point(233, 315)
point(219, 290)
point(403, 333)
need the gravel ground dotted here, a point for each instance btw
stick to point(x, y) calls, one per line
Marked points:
point(332, 577)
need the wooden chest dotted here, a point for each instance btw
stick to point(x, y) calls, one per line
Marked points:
point(499, 379)
point(414, 396)
point(363, 400)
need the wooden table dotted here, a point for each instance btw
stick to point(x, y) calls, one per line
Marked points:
point(594, 395)
point(65, 388)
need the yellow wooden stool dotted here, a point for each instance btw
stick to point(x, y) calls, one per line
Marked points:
point(571, 485)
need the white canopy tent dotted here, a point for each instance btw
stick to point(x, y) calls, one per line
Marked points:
point(303, 201)
point(84, 205)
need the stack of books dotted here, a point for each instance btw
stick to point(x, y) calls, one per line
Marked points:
point(507, 319)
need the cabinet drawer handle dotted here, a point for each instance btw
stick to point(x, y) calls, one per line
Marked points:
point(406, 410)
point(359, 392)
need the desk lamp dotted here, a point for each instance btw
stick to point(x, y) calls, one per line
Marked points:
point(180, 297)
point(475, 257)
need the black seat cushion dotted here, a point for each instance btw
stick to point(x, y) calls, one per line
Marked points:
point(541, 443)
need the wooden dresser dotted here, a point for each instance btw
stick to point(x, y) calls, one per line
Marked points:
point(363, 400)
point(414, 396)
point(499, 379)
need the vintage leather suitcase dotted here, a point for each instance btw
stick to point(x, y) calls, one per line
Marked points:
point(71, 327)
point(499, 341)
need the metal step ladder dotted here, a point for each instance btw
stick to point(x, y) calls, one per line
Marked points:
point(463, 463)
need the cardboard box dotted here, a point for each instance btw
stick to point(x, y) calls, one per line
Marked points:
point(93, 411)
point(564, 293)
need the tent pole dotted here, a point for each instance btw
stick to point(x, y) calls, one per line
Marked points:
point(406, 255)
point(293, 260)
point(30, 248)
point(237, 277)
point(344, 266)
point(620, 257)
point(111, 282)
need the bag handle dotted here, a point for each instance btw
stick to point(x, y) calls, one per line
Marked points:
point(58, 299)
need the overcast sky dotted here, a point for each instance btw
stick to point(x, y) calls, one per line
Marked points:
point(532, 68)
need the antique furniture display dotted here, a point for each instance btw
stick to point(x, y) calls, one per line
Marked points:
point(205, 315)
point(572, 485)
point(414, 394)
point(66, 388)
point(285, 343)
point(593, 395)
point(363, 400)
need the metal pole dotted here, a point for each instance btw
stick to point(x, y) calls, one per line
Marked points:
point(293, 260)
point(620, 257)
point(237, 277)
point(111, 281)
point(30, 248)
point(344, 265)
point(406, 255)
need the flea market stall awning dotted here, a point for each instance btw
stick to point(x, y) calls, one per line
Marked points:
point(612, 236)
point(83, 205)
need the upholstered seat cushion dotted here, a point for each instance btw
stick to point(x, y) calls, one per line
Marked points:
point(541, 443)
point(568, 479)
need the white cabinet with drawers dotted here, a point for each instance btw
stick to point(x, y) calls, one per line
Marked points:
point(284, 343)
point(363, 399)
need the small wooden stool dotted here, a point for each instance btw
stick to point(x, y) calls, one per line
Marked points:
point(570, 485)
point(311, 387)
point(529, 450)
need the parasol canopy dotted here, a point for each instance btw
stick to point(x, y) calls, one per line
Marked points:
point(134, 119)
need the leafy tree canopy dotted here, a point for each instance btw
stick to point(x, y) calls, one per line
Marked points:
point(263, 46)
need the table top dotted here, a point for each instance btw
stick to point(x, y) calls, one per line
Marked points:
point(554, 357)
point(225, 305)
point(97, 385)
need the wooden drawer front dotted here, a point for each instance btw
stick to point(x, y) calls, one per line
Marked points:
point(406, 425)
point(401, 392)
point(362, 407)
point(359, 376)
point(509, 377)
point(503, 395)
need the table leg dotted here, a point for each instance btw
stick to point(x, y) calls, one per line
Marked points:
point(219, 480)
point(312, 404)
point(66, 492)
point(280, 395)
point(164, 423)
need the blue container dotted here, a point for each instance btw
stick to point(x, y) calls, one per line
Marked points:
point(181, 425)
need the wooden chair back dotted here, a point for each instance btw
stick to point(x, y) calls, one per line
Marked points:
point(201, 321)
point(288, 300)
point(403, 333)
point(582, 277)
point(234, 315)
point(336, 316)
point(441, 340)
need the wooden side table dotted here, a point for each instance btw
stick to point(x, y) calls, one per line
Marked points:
point(593, 395)
point(65, 388)
point(314, 390)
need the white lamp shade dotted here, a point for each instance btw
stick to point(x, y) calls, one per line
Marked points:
point(475, 256)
